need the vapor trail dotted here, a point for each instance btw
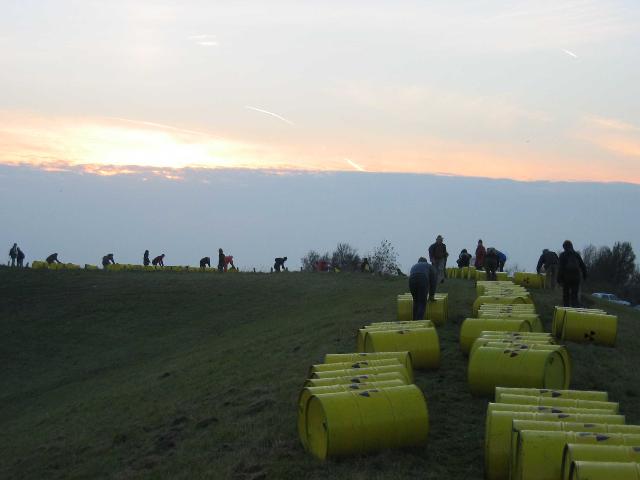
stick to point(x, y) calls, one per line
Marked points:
point(570, 53)
point(160, 125)
point(270, 113)
point(355, 165)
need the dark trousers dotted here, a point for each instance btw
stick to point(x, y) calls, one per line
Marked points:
point(570, 292)
point(419, 290)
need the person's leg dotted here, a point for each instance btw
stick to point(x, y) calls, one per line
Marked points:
point(566, 294)
point(575, 292)
point(439, 264)
point(418, 288)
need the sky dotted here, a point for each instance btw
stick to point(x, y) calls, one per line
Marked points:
point(105, 95)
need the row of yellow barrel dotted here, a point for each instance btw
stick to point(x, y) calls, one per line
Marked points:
point(471, 273)
point(120, 267)
point(529, 279)
point(548, 434)
point(418, 337)
point(585, 325)
point(355, 403)
point(437, 311)
point(37, 265)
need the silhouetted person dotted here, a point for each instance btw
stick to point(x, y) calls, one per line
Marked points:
point(422, 285)
point(13, 254)
point(158, 261)
point(571, 270)
point(53, 258)
point(438, 256)
point(364, 266)
point(20, 258)
point(502, 259)
point(491, 262)
point(549, 260)
point(480, 254)
point(108, 260)
point(145, 258)
point(221, 264)
point(228, 260)
point(205, 262)
point(279, 263)
point(464, 258)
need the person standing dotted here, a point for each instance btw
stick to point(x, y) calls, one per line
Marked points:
point(480, 254)
point(221, 264)
point(438, 256)
point(20, 258)
point(548, 260)
point(13, 254)
point(108, 260)
point(145, 258)
point(279, 263)
point(491, 262)
point(571, 270)
point(422, 285)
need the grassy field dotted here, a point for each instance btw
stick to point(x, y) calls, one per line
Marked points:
point(169, 375)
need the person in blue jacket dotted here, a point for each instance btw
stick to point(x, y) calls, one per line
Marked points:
point(502, 259)
point(422, 284)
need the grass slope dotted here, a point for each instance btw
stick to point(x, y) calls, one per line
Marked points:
point(137, 375)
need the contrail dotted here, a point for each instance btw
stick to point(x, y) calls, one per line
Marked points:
point(355, 165)
point(570, 53)
point(270, 113)
point(160, 125)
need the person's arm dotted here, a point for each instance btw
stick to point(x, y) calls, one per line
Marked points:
point(540, 262)
point(561, 264)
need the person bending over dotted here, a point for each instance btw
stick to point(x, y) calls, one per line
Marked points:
point(108, 260)
point(279, 263)
point(205, 262)
point(53, 258)
point(158, 261)
point(422, 284)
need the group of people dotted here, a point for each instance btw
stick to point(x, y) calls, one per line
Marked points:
point(489, 259)
point(16, 255)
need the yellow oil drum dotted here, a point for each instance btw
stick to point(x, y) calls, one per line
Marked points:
point(472, 328)
point(374, 328)
point(349, 379)
point(405, 308)
point(502, 276)
point(352, 372)
point(502, 342)
point(327, 367)
point(464, 272)
point(307, 392)
point(515, 407)
point(597, 453)
point(438, 311)
point(612, 407)
point(483, 299)
point(531, 345)
point(354, 423)
point(539, 454)
point(38, 265)
point(404, 323)
point(533, 318)
point(422, 343)
point(545, 392)
point(496, 367)
point(403, 357)
point(590, 328)
point(480, 275)
point(604, 471)
point(559, 315)
point(498, 428)
point(90, 267)
point(529, 279)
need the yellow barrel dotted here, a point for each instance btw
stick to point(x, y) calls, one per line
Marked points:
point(597, 453)
point(90, 267)
point(493, 367)
point(539, 454)
point(464, 272)
point(590, 328)
point(521, 425)
point(528, 279)
point(403, 357)
point(472, 328)
point(613, 407)
point(515, 407)
point(497, 342)
point(604, 471)
point(424, 323)
point(422, 343)
point(534, 318)
point(438, 311)
point(326, 367)
point(353, 423)
point(352, 372)
point(545, 392)
point(38, 265)
point(559, 315)
point(405, 308)
point(480, 275)
point(502, 276)
point(307, 392)
point(499, 299)
point(516, 336)
point(498, 427)
point(404, 326)
point(346, 380)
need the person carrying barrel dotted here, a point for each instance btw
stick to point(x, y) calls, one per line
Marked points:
point(422, 285)
point(480, 254)
point(438, 256)
point(491, 263)
point(205, 262)
point(571, 271)
point(53, 258)
point(464, 258)
point(145, 258)
point(279, 263)
point(549, 261)
point(158, 261)
point(108, 260)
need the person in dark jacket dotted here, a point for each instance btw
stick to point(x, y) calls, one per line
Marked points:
point(480, 253)
point(364, 266)
point(464, 258)
point(279, 263)
point(502, 259)
point(53, 258)
point(491, 262)
point(20, 258)
point(158, 261)
point(108, 260)
point(145, 258)
point(438, 257)
point(205, 262)
point(571, 271)
point(422, 285)
point(13, 254)
point(549, 260)
point(221, 263)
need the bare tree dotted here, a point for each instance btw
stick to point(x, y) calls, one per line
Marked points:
point(345, 257)
point(384, 258)
point(310, 260)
